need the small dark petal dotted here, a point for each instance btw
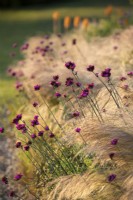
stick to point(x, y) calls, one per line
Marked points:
point(40, 133)
point(57, 94)
point(74, 41)
point(12, 194)
point(18, 144)
point(33, 136)
point(37, 87)
point(35, 104)
point(29, 142)
point(90, 68)
point(51, 135)
point(78, 130)
point(114, 141)
point(123, 78)
point(70, 65)
point(76, 114)
point(4, 180)
point(130, 74)
point(1, 130)
point(18, 177)
point(26, 148)
point(56, 77)
point(111, 177)
point(78, 84)
point(111, 155)
point(46, 128)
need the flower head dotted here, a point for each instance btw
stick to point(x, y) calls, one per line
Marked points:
point(26, 147)
point(90, 68)
point(69, 81)
point(1, 130)
point(4, 180)
point(57, 94)
point(111, 155)
point(111, 177)
point(123, 78)
point(11, 194)
point(114, 141)
point(76, 114)
point(74, 41)
point(46, 128)
point(56, 77)
point(84, 93)
point(37, 87)
point(21, 127)
point(55, 84)
point(106, 73)
point(17, 177)
point(35, 104)
point(40, 133)
point(17, 119)
point(18, 144)
point(78, 84)
point(78, 130)
point(130, 74)
point(51, 135)
point(33, 136)
point(91, 85)
point(70, 65)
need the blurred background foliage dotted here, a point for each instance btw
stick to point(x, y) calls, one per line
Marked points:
point(20, 3)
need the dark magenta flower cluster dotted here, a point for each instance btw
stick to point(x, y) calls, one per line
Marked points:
point(70, 65)
point(106, 73)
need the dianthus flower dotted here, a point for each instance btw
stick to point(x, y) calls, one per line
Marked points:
point(69, 81)
point(90, 68)
point(70, 65)
point(17, 177)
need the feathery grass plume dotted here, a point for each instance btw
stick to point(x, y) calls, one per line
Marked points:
point(56, 17)
point(85, 23)
point(67, 22)
point(108, 10)
point(76, 21)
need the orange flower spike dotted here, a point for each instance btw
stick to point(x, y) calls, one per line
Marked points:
point(76, 21)
point(85, 23)
point(108, 10)
point(56, 15)
point(67, 21)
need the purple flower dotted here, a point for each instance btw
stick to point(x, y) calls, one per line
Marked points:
point(90, 68)
point(74, 41)
point(111, 177)
point(11, 194)
point(57, 94)
point(123, 78)
point(35, 104)
point(70, 65)
point(24, 46)
point(40, 133)
point(35, 121)
point(4, 180)
point(114, 141)
point(55, 78)
point(1, 130)
point(33, 136)
point(55, 83)
point(106, 73)
point(46, 128)
point(111, 155)
point(78, 84)
point(125, 87)
point(17, 177)
point(26, 147)
point(17, 118)
point(19, 85)
point(76, 114)
point(78, 130)
point(84, 93)
point(37, 87)
point(18, 144)
point(69, 81)
point(91, 85)
point(21, 127)
point(51, 135)
point(130, 74)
